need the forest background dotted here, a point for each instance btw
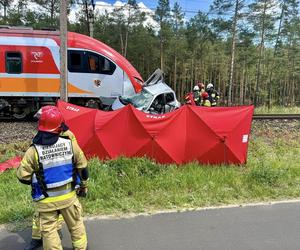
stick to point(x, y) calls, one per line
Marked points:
point(249, 49)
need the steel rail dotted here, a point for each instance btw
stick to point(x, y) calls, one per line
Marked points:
point(276, 116)
point(255, 117)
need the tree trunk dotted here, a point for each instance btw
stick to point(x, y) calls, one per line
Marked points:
point(242, 83)
point(175, 72)
point(274, 56)
point(127, 34)
point(4, 13)
point(192, 73)
point(86, 10)
point(293, 83)
point(122, 43)
point(233, 51)
point(52, 10)
point(245, 89)
point(161, 47)
point(256, 96)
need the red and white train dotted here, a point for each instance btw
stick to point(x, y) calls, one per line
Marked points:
point(30, 75)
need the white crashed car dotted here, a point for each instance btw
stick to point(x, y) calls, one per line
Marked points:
point(156, 97)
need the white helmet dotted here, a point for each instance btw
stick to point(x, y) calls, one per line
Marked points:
point(196, 88)
point(209, 86)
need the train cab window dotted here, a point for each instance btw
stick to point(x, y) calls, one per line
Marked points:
point(13, 62)
point(76, 61)
point(100, 64)
point(106, 66)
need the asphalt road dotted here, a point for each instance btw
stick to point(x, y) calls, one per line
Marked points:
point(265, 227)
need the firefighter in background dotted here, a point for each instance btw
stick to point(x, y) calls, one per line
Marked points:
point(202, 90)
point(53, 165)
point(194, 97)
point(205, 99)
point(213, 94)
point(201, 87)
point(197, 95)
point(188, 99)
point(36, 237)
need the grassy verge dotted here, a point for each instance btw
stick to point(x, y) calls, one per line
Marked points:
point(139, 185)
point(8, 151)
point(277, 110)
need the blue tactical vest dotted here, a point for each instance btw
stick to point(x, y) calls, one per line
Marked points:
point(56, 169)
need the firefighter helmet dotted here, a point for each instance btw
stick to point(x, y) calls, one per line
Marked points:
point(196, 88)
point(50, 119)
point(209, 86)
point(37, 115)
point(204, 95)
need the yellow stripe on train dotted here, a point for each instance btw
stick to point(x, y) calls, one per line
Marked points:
point(37, 85)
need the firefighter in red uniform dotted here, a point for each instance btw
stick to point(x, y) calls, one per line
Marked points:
point(54, 166)
point(189, 99)
point(205, 99)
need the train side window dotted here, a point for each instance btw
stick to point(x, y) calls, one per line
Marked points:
point(93, 63)
point(107, 67)
point(100, 64)
point(13, 62)
point(89, 62)
point(76, 61)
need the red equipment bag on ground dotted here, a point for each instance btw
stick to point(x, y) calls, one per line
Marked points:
point(208, 135)
point(11, 163)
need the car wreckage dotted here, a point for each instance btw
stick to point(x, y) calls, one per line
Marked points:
point(156, 97)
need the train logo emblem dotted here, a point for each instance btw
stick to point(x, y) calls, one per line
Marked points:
point(37, 56)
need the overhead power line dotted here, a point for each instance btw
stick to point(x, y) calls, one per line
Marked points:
point(154, 9)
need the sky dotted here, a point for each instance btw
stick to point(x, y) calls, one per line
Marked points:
point(190, 7)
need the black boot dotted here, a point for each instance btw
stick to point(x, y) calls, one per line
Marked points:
point(60, 234)
point(34, 244)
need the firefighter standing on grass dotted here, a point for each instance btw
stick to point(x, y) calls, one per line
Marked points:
point(36, 236)
point(53, 165)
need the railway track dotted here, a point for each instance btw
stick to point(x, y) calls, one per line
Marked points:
point(255, 117)
point(276, 116)
point(13, 131)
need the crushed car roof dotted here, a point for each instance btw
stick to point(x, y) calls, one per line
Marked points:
point(158, 88)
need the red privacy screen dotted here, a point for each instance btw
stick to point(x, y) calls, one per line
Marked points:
point(216, 135)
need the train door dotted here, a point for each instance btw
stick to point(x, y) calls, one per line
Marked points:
point(96, 74)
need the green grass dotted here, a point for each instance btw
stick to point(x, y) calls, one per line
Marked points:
point(7, 151)
point(139, 185)
point(277, 110)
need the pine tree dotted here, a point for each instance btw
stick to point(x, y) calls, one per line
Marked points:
point(162, 16)
point(225, 7)
point(262, 18)
point(126, 17)
point(177, 22)
point(5, 4)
